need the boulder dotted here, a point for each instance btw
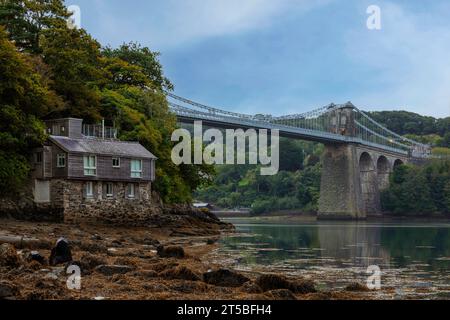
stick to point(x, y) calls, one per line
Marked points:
point(180, 272)
point(251, 287)
point(8, 256)
point(36, 256)
point(7, 290)
point(224, 278)
point(303, 286)
point(356, 286)
point(151, 242)
point(61, 253)
point(109, 270)
point(89, 261)
point(269, 282)
point(170, 252)
point(211, 241)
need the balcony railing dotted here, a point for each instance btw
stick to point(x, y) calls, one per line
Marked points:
point(99, 131)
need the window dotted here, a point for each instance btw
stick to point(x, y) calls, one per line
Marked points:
point(61, 160)
point(136, 168)
point(130, 190)
point(38, 157)
point(89, 189)
point(109, 189)
point(63, 129)
point(90, 165)
point(116, 162)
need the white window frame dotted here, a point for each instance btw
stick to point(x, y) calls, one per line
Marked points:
point(90, 170)
point(109, 194)
point(89, 189)
point(59, 157)
point(131, 191)
point(118, 160)
point(137, 174)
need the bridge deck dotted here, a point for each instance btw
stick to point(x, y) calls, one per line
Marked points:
point(285, 131)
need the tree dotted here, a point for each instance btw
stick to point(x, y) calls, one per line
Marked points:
point(25, 20)
point(291, 155)
point(418, 190)
point(147, 60)
point(78, 71)
point(24, 98)
point(445, 141)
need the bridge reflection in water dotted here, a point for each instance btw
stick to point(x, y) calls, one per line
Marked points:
point(351, 244)
point(408, 254)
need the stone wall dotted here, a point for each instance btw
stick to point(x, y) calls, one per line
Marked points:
point(340, 192)
point(21, 205)
point(102, 209)
point(352, 178)
point(68, 203)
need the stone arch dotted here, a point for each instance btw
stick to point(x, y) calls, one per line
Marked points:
point(369, 183)
point(383, 171)
point(397, 162)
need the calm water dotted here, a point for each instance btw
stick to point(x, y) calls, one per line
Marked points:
point(414, 257)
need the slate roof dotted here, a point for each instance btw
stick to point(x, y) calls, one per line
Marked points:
point(102, 147)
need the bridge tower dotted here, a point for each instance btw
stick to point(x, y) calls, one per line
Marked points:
point(353, 174)
point(340, 190)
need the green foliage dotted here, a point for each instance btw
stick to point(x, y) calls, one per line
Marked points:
point(23, 99)
point(404, 122)
point(14, 169)
point(418, 190)
point(77, 71)
point(25, 20)
point(291, 155)
point(135, 54)
point(296, 186)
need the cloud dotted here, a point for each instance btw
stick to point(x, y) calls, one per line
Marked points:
point(172, 23)
point(409, 61)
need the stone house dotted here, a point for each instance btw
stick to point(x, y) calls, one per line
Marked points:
point(83, 172)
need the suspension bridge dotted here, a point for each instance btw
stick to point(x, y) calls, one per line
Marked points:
point(359, 155)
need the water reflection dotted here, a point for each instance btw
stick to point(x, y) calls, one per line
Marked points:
point(353, 244)
point(406, 252)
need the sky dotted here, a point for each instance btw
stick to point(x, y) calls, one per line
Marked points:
point(289, 56)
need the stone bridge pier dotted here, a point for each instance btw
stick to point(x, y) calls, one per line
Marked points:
point(352, 178)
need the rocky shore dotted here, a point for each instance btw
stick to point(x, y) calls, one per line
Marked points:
point(168, 260)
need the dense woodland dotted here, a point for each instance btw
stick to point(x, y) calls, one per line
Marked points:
point(48, 70)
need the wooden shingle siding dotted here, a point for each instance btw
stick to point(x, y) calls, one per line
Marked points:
point(75, 127)
point(106, 171)
point(47, 159)
point(58, 172)
point(76, 167)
